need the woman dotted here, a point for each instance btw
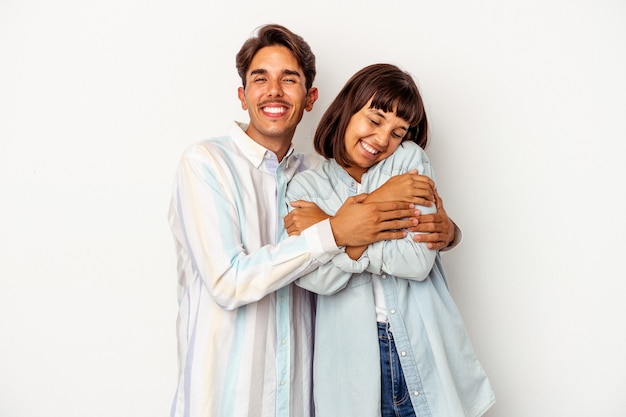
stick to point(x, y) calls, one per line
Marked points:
point(389, 339)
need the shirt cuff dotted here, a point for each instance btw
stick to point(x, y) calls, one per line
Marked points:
point(321, 241)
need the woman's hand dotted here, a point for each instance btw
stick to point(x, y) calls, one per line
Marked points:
point(305, 214)
point(410, 187)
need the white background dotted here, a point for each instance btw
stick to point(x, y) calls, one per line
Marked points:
point(527, 104)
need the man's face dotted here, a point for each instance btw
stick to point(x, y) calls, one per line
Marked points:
point(275, 96)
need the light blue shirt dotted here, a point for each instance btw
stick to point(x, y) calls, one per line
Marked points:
point(443, 374)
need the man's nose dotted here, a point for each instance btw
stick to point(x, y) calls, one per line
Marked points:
point(275, 88)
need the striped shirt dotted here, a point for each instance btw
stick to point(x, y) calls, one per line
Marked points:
point(244, 331)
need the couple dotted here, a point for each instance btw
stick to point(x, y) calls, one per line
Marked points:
point(388, 338)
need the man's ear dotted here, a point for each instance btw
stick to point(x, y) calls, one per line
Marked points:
point(311, 98)
point(241, 93)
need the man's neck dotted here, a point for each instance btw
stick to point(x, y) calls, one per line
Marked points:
point(279, 146)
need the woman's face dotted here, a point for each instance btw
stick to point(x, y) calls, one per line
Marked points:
point(371, 136)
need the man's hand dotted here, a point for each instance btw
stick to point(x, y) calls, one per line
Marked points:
point(304, 215)
point(438, 228)
point(357, 223)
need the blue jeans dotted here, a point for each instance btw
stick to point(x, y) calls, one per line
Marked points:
point(396, 401)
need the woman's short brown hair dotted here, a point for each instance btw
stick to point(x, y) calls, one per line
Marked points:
point(270, 35)
point(390, 89)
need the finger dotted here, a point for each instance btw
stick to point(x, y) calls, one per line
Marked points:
point(438, 201)
point(390, 207)
point(421, 191)
point(406, 217)
point(301, 204)
point(428, 237)
point(397, 224)
point(430, 228)
point(437, 245)
point(426, 179)
point(422, 202)
point(430, 218)
point(391, 235)
point(424, 196)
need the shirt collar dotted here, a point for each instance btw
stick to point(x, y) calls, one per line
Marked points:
point(254, 152)
point(342, 175)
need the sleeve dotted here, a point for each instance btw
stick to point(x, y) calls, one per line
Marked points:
point(404, 258)
point(205, 218)
point(333, 276)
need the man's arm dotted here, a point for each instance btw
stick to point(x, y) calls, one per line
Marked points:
point(224, 243)
point(436, 229)
point(356, 223)
point(236, 268)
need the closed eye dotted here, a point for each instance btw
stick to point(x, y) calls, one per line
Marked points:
point(399, 134)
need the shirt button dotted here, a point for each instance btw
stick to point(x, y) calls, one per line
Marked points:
point(282, 299)
point(416, 393)
point(282, 383)
point(403, 353)
point(393, 311)
point(282, 342)
point(384, 277)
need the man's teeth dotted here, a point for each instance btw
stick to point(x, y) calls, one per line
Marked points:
point(369, 148)
point(274, 109)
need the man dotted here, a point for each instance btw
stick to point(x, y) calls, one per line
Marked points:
point(244, 332)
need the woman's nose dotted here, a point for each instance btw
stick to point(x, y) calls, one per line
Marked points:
point(382, 138)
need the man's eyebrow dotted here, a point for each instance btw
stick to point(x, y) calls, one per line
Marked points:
point(291, 72)
point(285, 72)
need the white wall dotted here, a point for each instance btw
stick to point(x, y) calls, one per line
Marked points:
point(527, 102)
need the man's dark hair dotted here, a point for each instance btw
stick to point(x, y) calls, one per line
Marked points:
point(271, 35)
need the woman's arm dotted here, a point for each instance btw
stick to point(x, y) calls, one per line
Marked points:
point(412, 177)
point(333, 276)
point(435, 229)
